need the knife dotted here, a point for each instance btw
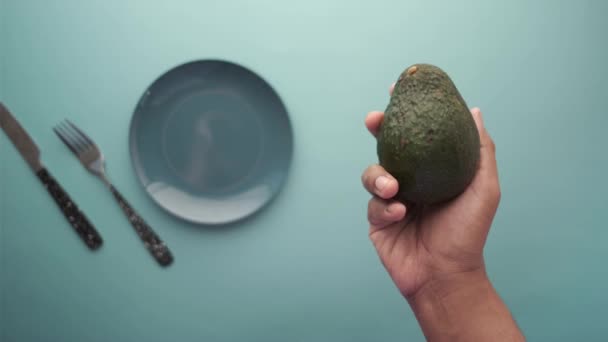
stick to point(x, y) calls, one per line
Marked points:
point(29, 151)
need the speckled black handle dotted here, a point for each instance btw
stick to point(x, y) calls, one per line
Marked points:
point(153, 243)
point(70, 210)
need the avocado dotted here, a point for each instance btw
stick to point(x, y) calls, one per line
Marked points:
point(428, 139)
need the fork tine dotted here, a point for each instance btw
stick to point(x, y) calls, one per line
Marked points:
point(77, 141)
point(81, 133)
point(67, 139)
point(80, 143)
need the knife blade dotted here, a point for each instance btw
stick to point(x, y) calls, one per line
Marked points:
point(31, 154)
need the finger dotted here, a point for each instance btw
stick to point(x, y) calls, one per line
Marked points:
point(487, 163)
point(379, 182)
point(381, 213)
point(373, 120)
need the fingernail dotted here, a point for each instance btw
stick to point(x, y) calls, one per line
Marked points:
point(476, 111)
point(381, 182)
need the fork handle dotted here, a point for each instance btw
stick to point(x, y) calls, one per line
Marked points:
point(77, 219)
point(153, 243)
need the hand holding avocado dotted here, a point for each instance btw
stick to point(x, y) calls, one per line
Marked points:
point(430, 217)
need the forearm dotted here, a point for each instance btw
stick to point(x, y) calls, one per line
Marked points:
point(464, 307)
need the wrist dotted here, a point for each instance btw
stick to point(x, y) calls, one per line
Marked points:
point(463, 306)
point(448, 287)
point(444, 298)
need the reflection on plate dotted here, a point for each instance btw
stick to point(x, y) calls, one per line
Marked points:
point(211, 142)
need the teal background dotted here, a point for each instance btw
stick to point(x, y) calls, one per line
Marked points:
point(303, 269)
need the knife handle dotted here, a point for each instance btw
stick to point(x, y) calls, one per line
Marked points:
point(70, 210)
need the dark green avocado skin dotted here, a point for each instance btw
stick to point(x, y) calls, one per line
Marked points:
point(428, 139)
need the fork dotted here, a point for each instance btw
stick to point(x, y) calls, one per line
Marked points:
point(93, 160)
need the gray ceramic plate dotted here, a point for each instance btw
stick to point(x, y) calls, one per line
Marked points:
point(211, 142)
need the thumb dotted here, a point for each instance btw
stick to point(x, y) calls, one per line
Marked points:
point(487, 163)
